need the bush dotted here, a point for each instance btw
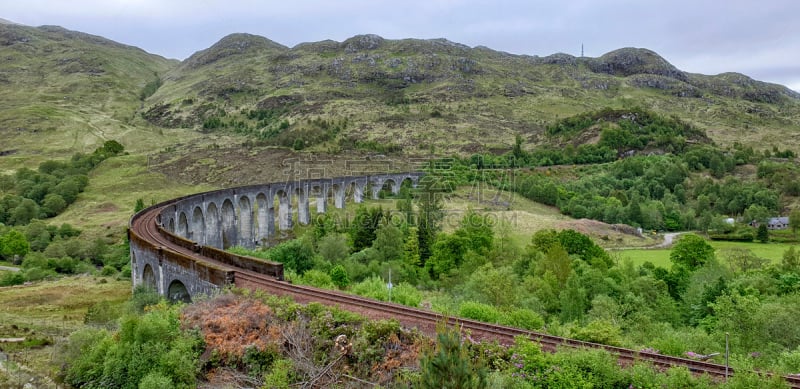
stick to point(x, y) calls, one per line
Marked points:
point(600, 331)
point(372, 287)
point(102, 314)
point(147, 350)
point(479, 311)
point(339, 276)
point(143, 296)
point(36, 274)
point(317, 278)
point(155, 380)
point(406, 294)
point(12, 278)
point(108, 271)
point(449, 366)
point(523, 318)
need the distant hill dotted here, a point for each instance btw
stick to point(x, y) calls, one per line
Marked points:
point(66, 91)
point(412, 94)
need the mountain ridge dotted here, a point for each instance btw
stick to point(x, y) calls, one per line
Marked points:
point(366, 92)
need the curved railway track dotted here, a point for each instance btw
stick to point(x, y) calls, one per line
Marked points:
point(144, 227)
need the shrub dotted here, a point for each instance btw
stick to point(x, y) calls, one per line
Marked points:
point(372, 287)
point(600, 331)
point(479, 311)
point(142, 297)
point(317, 278)
point(155, 380)
point(147, 350)
point(523, 318)
point(338, 276)
point(449, 365)
point(108, 271)
point(36, 274)
point(406, 294)
point(102, 314)
point(12, 278)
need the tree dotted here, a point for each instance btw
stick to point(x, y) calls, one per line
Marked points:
point(333, 247)
point(583, 246)
point(477, 231)
point(447, 254)
point(296, 254)
point(449, 365)
point(743, 260)
point(365, 223)
point(573, 300)
point(763, 233)
point(388, 243)
point(557, 262)
point(53, 204)
point(494, 285)
point(429, 202)
point(339, 276)
point(691, 251)
point(791, 260)
point(13, 244)
point(411, 248)
point(794, 220)
point(24, 213)
point(542, 240)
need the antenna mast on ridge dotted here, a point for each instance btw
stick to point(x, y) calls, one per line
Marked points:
point(581, 49)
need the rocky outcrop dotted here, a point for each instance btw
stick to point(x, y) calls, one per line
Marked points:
point(233, 45)
point(629, 61)
point(671, 85)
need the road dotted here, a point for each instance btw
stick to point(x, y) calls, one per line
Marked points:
point(668, 238)
point(9, 268)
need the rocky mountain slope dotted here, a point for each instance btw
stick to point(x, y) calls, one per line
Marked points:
point(410, 94)
point(65, 91)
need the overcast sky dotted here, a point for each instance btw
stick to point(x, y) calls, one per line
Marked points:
point(758, 38)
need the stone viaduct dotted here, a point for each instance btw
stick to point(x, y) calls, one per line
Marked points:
point(208, 223)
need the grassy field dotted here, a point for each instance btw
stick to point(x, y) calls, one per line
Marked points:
point(45, 313)
point(660, 257)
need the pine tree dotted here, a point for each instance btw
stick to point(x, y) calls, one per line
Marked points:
point(449, 366)
point(762, 234)
point(430, 216)
point(411, 249)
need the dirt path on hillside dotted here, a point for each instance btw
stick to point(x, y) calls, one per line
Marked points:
point(668, 239)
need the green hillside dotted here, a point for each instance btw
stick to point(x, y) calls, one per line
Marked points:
point(67, 92)
point(408, 95)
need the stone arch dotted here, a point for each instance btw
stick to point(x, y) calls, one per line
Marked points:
point(284, 204)
point(336, 193)
point(265, 218)
point(246, 224)
point(371, 187)
point(355, 191)
point(198, 226)
point(171, 225)
point(228, 224)
point(183, 225)
point(212, 226)
point(407, 182)
point(149, 278)
point(321, 197)
point(388, 188)
point(301, 196)
point(177, 291)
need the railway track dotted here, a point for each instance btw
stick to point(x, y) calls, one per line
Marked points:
point(145, 229)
